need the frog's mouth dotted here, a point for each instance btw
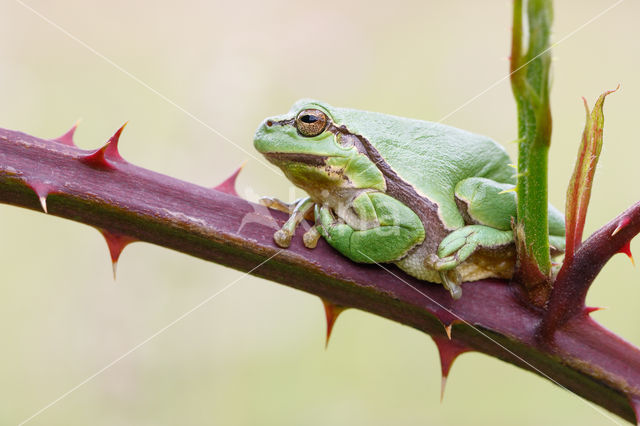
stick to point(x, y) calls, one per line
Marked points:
point(278, 158)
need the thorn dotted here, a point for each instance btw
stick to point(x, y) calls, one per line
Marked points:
point(97, 159)
point(623, 222)
point(116, 243)
point(626, 249)
point(448, 350)
point(332, 311)
point(589, 309)
point(447, 329)
point(42, 190)
point(443, 386)
point(507, 190)
point(513, 166)
point(114, 268)
point(111, 151)
point(67, 138)
point(228, 186)
point(43, 203)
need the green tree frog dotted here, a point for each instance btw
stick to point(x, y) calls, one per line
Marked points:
point(435, 200)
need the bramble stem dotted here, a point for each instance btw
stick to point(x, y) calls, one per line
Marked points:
point(131, 201)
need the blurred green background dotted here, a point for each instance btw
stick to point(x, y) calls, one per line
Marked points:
point(255, 354)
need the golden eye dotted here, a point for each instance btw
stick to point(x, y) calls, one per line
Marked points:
point(311, 122)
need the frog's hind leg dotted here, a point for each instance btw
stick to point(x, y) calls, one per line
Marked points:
point(489, 207)
point(456, 247)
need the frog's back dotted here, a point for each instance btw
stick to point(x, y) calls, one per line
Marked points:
point(432, 157)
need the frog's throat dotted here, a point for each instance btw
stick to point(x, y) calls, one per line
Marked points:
point(281, 158)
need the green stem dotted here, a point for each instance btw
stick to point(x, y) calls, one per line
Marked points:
point(530, 85)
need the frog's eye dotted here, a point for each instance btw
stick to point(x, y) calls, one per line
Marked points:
point(311, 122)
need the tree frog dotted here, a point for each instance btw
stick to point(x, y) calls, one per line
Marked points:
point(435, 200)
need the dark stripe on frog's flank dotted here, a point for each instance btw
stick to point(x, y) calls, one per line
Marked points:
point(426, 210)
point(431, 157)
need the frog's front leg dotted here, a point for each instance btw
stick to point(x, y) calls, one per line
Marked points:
point(283, 236)
point(375, 228)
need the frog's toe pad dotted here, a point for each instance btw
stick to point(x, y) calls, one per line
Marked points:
point(282, 238)
point(456, 247)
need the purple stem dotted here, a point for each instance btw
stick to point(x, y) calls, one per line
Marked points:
point(576, 276)
point(130, 201)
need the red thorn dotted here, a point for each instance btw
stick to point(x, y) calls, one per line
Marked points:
point(101, 158)
point(97, 159)
point(116, 243)
point(111, 151)
point(42, 190)
point(623, 222)
point(67, 138)
point(228, 186)
point(449, 350)
point(590, 309)
point(626, 249)
point(332, 311)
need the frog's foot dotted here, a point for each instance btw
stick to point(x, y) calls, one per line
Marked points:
point(311, 237)
point(456, 247)
point(283, 236)
point(451, 281)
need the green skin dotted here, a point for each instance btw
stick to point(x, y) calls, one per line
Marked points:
point(387, 189)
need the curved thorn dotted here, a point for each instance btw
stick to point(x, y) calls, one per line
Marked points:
point(42, 190)
point(626, 249)
point(623, 222)
point(448, 350)
point(228, 186)
point(116, 243)
point(111, 147)
point(67, 138)
point(332, 311)
point(589, 309)
point(97, 159)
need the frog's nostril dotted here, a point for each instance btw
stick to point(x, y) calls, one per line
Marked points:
point(269, 123)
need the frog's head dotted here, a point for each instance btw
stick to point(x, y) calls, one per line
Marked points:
point(314, 152)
